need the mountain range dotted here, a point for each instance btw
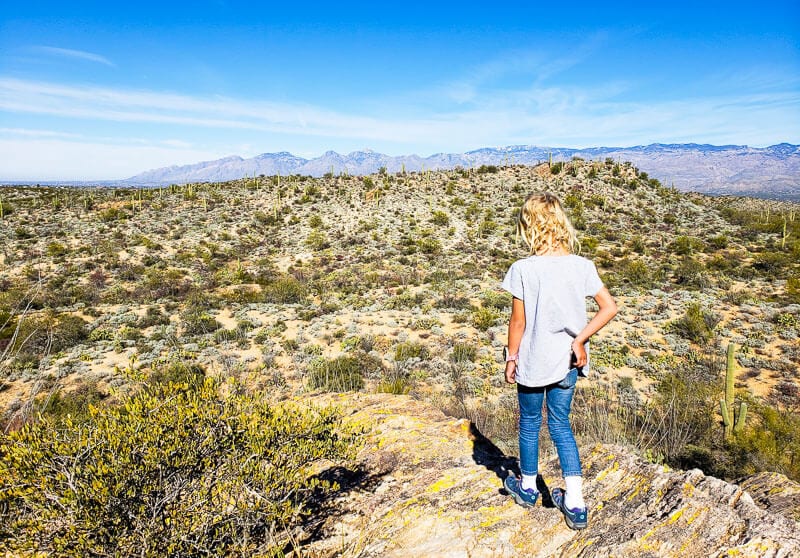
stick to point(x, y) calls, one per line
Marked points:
point(727, 169)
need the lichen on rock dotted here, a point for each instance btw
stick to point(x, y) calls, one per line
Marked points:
point(443, 497)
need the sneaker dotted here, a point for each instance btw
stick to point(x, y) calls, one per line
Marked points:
point(575, 518)
point(525, 497)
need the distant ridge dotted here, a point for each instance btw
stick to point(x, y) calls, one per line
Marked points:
point(720, 169)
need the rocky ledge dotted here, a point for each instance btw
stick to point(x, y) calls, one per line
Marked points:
point(431, 486)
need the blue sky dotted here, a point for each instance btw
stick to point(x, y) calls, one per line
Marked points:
point(104, 90)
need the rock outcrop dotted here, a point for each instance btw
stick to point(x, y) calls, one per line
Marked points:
point(431, 486)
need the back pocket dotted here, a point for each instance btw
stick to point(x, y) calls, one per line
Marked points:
point(570, 379)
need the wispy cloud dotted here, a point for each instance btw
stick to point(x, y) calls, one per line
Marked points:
point(532, 66)
point(29, 133)
point(544, 115)
point(77, 54)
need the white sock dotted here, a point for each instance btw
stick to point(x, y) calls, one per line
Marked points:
point(573, 499)
point(529, 481)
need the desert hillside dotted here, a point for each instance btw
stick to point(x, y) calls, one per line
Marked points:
point(276, 287)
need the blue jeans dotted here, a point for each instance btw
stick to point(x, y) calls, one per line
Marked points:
point(559, 403)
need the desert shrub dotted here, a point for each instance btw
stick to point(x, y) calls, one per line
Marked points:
point(691, 273)
point(101, 334)
point(589, 244)
point(56, 249)
point(484, 318)
point(236, 335)
point(487, 169)
point(424, 323)
point(405, 301)
point(792, 292)
point(6, 208)
point(557, 167)
point(170, 472)
point(463, 352)
point(429, 245)
point(635, 272)
point(316, 240)
point(486, 227)
point(440, 218)
point(48, 333)
point(638, 244)
point(680, 413)
point(192, 375)
point(397, 380)
point(769, 442)
point(718, 242)
point(720, 262)
point(774, 265)
point(453, 301)
point(112, 214)
point(498, 300)
point(696, 324)
point(198, 322)
point(613, 356)
point(74, 404)
point(285, 290)
point(684, 245)
point(152, 316)
point(410, 349)
point(342, 373)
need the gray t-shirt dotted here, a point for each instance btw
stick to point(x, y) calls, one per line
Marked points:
point(553, 290)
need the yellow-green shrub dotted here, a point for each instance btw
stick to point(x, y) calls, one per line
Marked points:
point(174, 470)
point(343, 373)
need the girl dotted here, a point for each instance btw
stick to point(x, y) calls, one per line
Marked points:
point(548, 345)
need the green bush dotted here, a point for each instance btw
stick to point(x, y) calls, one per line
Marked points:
point(152, 316)
point(405, 301)
point(429, 245)
point(48, 333)
point(484, 318)
point(170, 472)
point(684, 245)
point(74, 404)
point(440, 218)
point(793, 290)
point(696, 324)
point(498, 300)
point(199, 322)
point(316, 240)
point(691, 273)
point(463, 352)
point(342, 373)
point(775, 265)
point(397, 381)
point(635, 272)
point(192, 375)
point(410, 349)
point(285, 290)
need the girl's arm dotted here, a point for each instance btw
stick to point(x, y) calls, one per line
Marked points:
point(516, 326)
point(608, 309)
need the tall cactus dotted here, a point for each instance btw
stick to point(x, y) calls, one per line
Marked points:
point(731, 423)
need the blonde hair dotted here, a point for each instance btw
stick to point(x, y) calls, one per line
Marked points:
point(545, 227)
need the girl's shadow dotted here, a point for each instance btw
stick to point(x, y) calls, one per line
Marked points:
point(486, 453)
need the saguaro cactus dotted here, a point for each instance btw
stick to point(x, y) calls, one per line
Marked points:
point(731, 423)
